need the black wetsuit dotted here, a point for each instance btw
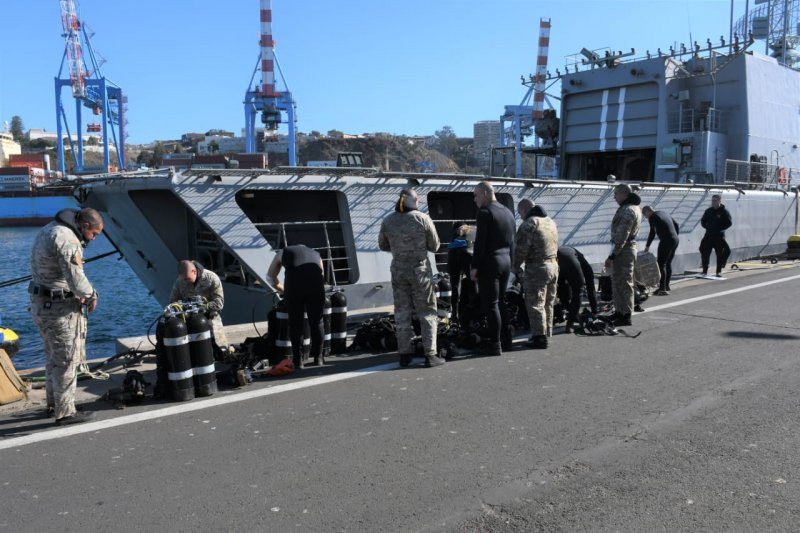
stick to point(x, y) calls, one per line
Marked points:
point(715, 221)
point(666, 228)
point(574, 275)
point(463, 293)
point(304, 289)
point(494, 247)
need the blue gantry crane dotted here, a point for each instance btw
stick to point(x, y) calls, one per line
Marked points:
point(265, 99)
point(90, 89)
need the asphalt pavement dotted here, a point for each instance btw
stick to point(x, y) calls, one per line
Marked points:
point(690, 426)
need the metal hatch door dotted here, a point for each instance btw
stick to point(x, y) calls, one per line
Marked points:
point(619, 118)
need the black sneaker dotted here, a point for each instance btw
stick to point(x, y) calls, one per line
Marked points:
point(77, 418)
point(661, 292)
point(432, 361)
point(405, 359)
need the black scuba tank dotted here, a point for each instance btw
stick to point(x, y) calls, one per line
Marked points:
point(201, 350)
point(282, 342)
point(444, 296)
point(178, 358)
point(326, 325)
point(338, 322)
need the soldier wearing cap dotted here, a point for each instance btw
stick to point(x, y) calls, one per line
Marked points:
point(622, 259)
point(536, 245)
point(59, 289)
point(409, 235)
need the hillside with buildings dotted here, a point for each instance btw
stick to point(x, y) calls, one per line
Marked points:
point(441, 152)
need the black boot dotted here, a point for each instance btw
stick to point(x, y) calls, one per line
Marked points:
point(319, 360)
point(298, 362)
point(491, 349)
point(568, 327)
point(405, 359)
point(507, 341)
point(433, 360)
point(78, 418)
point(538, 342)
point(621, 320)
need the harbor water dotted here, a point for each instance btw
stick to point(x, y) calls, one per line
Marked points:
point(124, 309)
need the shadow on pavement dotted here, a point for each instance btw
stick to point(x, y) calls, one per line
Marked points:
point(762, 335)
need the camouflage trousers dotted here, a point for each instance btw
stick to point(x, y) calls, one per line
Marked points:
point(412, 286)
point(62, 327)
point(622, 279)
point(540, 284)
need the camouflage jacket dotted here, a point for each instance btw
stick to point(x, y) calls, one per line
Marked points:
point(536, 242)
point(408, 236)
point(625, 225)
point(57, 256)
point(207, 285)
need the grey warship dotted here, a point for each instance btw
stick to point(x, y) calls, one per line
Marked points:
point(679, 124)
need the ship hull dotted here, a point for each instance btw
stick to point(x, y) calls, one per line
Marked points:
point(26, 209)
point(232, 222)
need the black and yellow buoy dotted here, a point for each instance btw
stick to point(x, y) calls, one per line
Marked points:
point(9, 341)
point(793, 247)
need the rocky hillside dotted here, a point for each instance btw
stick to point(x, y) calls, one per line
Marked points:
point(401, 153)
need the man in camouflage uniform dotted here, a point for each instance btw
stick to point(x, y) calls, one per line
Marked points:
point(59, 289)
point(536, 245)
point(409, 235)
point(622, 259)
point(194, 280)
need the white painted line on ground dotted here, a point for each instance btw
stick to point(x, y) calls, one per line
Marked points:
point(718, 294)
point(16, 442)
point(89, 427)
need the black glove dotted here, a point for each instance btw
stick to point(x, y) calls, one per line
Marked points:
point(211, 314)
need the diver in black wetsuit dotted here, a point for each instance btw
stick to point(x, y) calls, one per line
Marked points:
point(491, 264)
point(666, 228)
point(304, 290)
point(574, 275)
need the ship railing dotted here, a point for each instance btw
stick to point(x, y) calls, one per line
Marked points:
point(335, 260)
point(757, 174)
point(694, 121)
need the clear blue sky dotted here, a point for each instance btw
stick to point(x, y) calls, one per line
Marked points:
point(359, 66)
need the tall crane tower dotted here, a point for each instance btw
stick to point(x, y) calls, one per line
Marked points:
point(91, 90)
point(266, 99)
point(519, 121)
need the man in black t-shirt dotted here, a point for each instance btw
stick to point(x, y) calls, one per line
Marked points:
point(304, 290)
